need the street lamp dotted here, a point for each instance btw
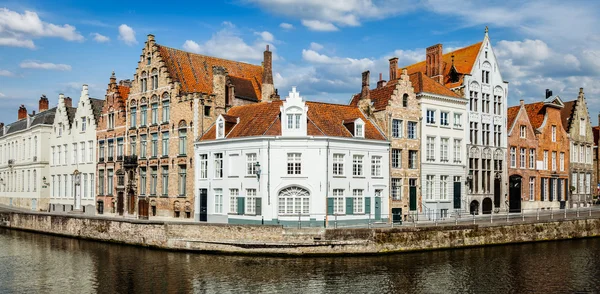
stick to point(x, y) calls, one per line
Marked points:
point(257, 170)
point(77, 182)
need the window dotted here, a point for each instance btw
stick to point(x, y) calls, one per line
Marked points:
point(359, 130)
point(111, 120)
point(165, 111)
point(220, 129)
point(405, 100)
point(545, 159)
point(531, 188)
point(182, 180)
point(562, 161)
point(444, 188)
point(497, 105)
point(294, 163)
point(513, 157)
point(154, 79)
point(396, 158)
point(412, 159)
point(486, 134)
point(218, 165)
point(338, 164)
point(338, 201)
point(133, 118)
point(485, 106)
point(485, 76)
point(357, 165)
point(66, 152)
point(74, 154)
point(111, 150)
point(412, 130)
point(430, 116)
point(120, 147)
point(376, 166)
point(165, 144)
point(458, 120)
point(154, 113)
point(144, 116)
point(153, 180)
point(251, 164)
point(473, 100)
point(83, 124)
point(293, 121)
point(553, 133)
point(587, 183)
point(297, 116)
point(60, 129)
point(219, 201)
point(574, 182)
point(581, 148)
point(444, 150)
point(581, 183)
point(522, 159)
point(582, 127)
point(294, 200)
point(82, 153)
point(397, 189)
point(142, 181)
point(358, 201)
point(144, 79)
point(553, 160)
point(429, 187)
point(474, 133)
point(203, 166)
point(444, 118)
point(143, 146)
point(531, 158)
point(457, 151)
point(523, 131)
point(165, 181)
point(110, 179)
point(182, 141)
point(396, 128)
point(132, 145)
point(206, 110)
point(233, 200)
point(154, 145)
point(588, 158)
point(430, 149)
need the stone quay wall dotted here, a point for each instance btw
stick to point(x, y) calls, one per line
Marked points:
point(276, 240)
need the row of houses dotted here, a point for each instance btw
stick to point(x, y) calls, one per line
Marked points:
point(197, 137)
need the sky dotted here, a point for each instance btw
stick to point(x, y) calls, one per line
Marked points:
point(322, 47)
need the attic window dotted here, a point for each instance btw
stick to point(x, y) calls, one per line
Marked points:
point(486, 54)
point(405, 100)
point(359, 130)
point(220, 129)
point(149, 59)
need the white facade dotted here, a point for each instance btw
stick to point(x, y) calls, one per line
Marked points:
point(72, 151)
point(487, 172)
point(24, 160)
point(443, 160)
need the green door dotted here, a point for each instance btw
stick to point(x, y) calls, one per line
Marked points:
point(413, 198)
point(377, 205)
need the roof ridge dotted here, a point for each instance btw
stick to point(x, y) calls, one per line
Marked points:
point(207, 55)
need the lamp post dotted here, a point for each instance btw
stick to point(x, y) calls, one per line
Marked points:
point(77, 183)
point(257, 170)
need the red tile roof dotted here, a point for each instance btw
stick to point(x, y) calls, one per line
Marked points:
point(464, 59)
point(244, 88)
point(195, 73)
point(511, 114)
point(324, 119)
point(536, 113)
point(566, 113)
point(124, 92)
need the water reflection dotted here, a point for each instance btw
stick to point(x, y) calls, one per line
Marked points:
point(32, 263)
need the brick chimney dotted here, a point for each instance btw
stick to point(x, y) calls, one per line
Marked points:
point(393, 68)
point(381, 81)
point(68, 101)
point(433, 63)
point(43, 104)
point(365, 93)
point(267, 77)
point(22, 112)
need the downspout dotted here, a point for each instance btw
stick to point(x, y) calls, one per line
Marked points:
point(269, 172)
point(327, 182)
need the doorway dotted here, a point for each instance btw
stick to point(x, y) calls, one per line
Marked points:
point(497, 188)
point(474, 207)
point(457, 192)
point(203, 205)
point(120, 203)
point(486, 207)
point(377, 205)
point(131, 203)
point(515, 193)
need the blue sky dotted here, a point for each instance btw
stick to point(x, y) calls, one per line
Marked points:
point(52, 47)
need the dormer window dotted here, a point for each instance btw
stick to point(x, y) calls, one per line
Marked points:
point(294, 114)
point(359, 130)
point(60, 129)
point(293, 121)
point(220, 129)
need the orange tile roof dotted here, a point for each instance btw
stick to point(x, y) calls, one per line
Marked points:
point(566, 113)
point(464, 59)
point(195, 73)
point(244, 88)
point(124, 92)
point(536, 113)
point(324, 119)
point(511, 114)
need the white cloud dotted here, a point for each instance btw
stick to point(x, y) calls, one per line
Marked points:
point(228, 43)
point(2, 95)
point(19, 29)
point(45, 65)
point(100, 38)
point(127, 35)
point(315, 46)
point(286, 26)
point(317, 25)
point(5, 73)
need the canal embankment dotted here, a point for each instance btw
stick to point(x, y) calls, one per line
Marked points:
point(278, 240)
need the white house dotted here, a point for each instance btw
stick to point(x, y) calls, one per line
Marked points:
point(24, 158)
point(282, 162)
point(73, 154)
point(443, 144)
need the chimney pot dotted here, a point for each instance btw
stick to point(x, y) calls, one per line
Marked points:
point(68, 101)
point(43, 104)
point(393, 68)
point(22, 112)
point(433, 60)
point(365, 78)
point(548, 93)
point(522, 102)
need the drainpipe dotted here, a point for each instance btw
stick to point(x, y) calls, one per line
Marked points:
point(327, 180)
point(269, 172)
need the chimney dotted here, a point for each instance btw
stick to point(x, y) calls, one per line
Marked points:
point(33, 113)
point(43, 104)
point(277, 97)
point(393, 68)
point(68, 101)
point(365, 92)
point(522, 102)
point(548, 93)
point(433, 62)
point(267, 77)
point(22, 112)
point(381, 81)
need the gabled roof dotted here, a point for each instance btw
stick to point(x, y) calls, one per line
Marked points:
point(464, 59)
point(195, 71)
point(511, 114)
point(244, 89)
point(567, 113)
point(42, 118)
point(97, 108)
point(536, 113)
point(324, 119)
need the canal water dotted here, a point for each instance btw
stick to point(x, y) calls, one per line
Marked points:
point(34, 263)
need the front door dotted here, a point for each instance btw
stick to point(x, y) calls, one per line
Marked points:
point(131, 203)
point(120, 203)
point(377, 205)
point(413, 198)
point(497, 185)
point(514, 194)
point(203, 204)
point(397, 215)
point(143, 209)
point(457, 192)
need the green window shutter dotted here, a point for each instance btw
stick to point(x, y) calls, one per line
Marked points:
point(258, 206)
point(367, 205)
point(330, 206)
point(241, 209)
point(349, 205)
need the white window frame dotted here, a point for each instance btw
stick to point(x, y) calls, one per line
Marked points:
point(358, 201)
point(553, 133)
point(218, 168)
point(397, 128)
point(339, 203)
point(250, 203)
point(338, 164)
point(522, 158)
point(251, 160)
point(357, 165)
point(531, 158)
point(458, 120)
point(531, 188)
point(234, 193)
point(523, 131)
point(294, 163)
point(218, 192)
point(513, 157)
point(376, 166)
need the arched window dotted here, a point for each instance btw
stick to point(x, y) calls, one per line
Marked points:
point(154, 79)
point(294, 201)
point(405, 100)
point(144, 81)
